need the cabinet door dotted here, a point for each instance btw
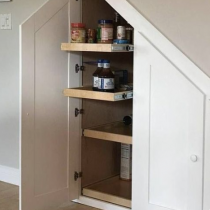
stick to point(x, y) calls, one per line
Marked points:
point(47, 127)
point(168, 134)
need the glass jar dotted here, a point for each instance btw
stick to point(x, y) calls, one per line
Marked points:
point(106, 78)
point(77, 33)
point(105, 31)
point(96, 73)
point(91, 35)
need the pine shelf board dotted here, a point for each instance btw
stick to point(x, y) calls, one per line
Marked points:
point(112, 190)
point(94, 47)
point(88, 93)
point(117, 132)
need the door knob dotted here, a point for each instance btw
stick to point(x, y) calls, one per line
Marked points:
point(193, 158)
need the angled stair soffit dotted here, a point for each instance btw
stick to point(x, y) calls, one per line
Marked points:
point(163, 45)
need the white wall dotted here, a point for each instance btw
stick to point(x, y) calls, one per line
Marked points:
point(185, 23)
point(9, 79)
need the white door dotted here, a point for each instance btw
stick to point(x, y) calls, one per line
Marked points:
point(47, 127)
point(168, 134)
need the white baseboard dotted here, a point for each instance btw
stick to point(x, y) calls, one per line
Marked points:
point(9, 175)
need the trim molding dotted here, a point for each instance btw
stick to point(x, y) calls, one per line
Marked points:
point(9, 175)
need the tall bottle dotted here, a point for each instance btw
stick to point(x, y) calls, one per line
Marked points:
point(129, 33)
point(96, 73)
point(116, 23)
point(106, 78)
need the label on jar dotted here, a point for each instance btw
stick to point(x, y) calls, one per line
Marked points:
point(106, 83)
point(106, 34)
point(77, 36)
point(121, 32)
point(95, 82)
point(106, 65)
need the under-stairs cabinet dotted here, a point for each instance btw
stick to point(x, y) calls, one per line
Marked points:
point(71, 136)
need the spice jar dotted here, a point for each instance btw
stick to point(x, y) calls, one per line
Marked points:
point(91, 35)
point(77, 33)
point(105, 31)
point(120, 32)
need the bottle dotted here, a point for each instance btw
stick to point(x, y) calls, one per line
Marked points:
point(116, 23)
point(129, 33)
point(96, 73)
point(106, 78)
point(126, 162)
point(128, 120)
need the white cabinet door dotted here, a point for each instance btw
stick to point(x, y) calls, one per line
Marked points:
point(168, 134)
point(49, 135)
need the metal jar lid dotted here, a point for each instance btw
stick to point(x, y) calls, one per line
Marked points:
point(105, 21)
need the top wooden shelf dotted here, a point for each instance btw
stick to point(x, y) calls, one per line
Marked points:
point(97, 47)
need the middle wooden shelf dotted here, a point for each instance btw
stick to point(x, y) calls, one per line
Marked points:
point(117, 132)
point(88, 93)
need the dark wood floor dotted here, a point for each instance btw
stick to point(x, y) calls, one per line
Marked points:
point(9, 199)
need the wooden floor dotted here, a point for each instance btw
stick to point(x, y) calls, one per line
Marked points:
point(9, 199)
point(74, 206)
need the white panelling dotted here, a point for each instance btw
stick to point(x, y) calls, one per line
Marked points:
point(10, 175)
point(168, 129)
point(206, 183)
point(44, 110)
point(75, 131)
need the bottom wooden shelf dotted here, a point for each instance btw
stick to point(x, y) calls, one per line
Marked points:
point(117, 131)
point(112, 190)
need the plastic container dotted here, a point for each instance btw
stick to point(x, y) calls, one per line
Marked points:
point(105, 31)
point(120, 41)
point(78, 33)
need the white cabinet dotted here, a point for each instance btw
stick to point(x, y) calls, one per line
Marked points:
point(168, 135)
point(169, 122)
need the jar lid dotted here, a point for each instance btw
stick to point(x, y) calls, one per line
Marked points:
point(105, 21)
point(106, 61)
point(120, 41)
point(100, 61)
point(77, 25)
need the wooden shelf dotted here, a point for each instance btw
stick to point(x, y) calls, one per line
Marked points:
point(88, 93)
point(112, 190)
point(117, 132)
point(96, 47)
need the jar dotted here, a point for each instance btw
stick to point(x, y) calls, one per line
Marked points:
point(91, 35)
point(105, 31)
point(77, 33)
point(120, 32)
point(106, 78)
point(96, 73)
point(129, 33)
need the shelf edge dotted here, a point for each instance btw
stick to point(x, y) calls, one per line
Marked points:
point(107, 197)
point(107, 136)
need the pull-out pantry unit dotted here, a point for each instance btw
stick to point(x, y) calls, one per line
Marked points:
point(71, 135)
